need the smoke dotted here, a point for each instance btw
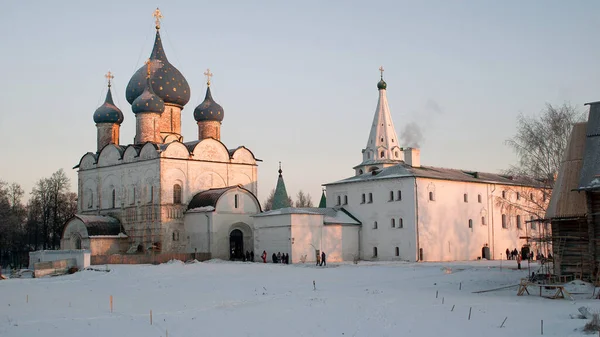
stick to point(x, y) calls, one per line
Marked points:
point(411, 135)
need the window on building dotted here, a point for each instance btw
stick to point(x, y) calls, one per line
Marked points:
point(177, 194)
point(483, 220)
point(391, 195)
point(471, 223)
point(399, 195)
point(151, 194)
point(395, 153)
point(504, 224)
point(90, 199)
point(360, 172)
point(382, 137)
point(431, 196)
point(504, 194)
point(397, 251)
point(466, 197)
point(519, 222)
point(132, 195)
point(393, 223)
point(175, 235)
point(518, 196)
point(531, 196)
point(113, 199)
point(370, 198)
point(236, 201)
point(479, 198)
point(363, 199)
point(375, 225)
point(339, 200)
point(400, 223)
point(345, 200)
point(374, 251)
point(381, 155)
point(533, 226)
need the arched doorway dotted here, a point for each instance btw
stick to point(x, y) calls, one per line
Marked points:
point(76, 239)
point(236, 244)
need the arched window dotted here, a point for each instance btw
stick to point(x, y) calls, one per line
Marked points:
point(374, 251)
point(90, 198)
point(397, 251)
point(504, 224)
point(339, 200)
point(431, 196)
point(471, 223)
point(393, 223)
point(113, 199)
point(381, 154)
point(177, 194)
point(519, 222)
point(361, 171)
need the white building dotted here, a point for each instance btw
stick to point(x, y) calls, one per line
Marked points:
point(133, 198)
point(420, 213)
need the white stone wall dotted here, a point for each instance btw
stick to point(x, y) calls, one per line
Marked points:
point(81, 256)
point(381, 210)
point(272, 234)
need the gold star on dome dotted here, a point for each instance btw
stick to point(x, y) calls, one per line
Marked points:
point(148, 68)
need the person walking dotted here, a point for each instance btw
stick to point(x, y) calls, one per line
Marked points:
point(264, 256)
point(518, 261)
point(318, 258)
point(323, 263)
point(287, 258)
point(507, 254)
point(251, 256)
point(274, 258)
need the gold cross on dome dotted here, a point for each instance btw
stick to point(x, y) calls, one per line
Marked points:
point(381, 70)
point(157, 16)
point(208, 75)
point(147, 68)
point(109, 76)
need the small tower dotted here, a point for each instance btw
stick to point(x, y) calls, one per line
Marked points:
point(147, 108)
point(382, 148)
point(167, 83)
point(280, 198)
point(108, 119)
point(323, 202)
point(209, 114)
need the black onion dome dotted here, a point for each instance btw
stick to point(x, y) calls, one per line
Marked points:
point(148, 101)
point(208, 110)
point(108, 112)
point(167, 82)
point(381, 85)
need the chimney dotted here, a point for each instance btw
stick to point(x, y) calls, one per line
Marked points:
point(412, 156)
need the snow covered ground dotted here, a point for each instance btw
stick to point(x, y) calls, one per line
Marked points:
point(218, 298)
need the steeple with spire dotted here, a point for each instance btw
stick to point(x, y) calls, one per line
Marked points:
point(108, 119)
point(167, 83)
point(382, 148)
point(280, 198)
point(323, 201)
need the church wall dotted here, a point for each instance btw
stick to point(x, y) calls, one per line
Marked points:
point(308, 235)
point(350, 242)
point(444, 233)
point(108, 245)
point(272, 234)
point(196, 226)
point(385, 238)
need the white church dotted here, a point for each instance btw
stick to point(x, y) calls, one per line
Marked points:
point(162, 195)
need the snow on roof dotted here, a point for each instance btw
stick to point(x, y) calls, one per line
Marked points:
point(330, 215)
point(203, 209)
point(403, 170)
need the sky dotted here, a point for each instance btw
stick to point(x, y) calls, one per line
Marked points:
point(297, 80)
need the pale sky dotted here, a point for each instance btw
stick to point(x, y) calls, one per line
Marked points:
point(297, 80)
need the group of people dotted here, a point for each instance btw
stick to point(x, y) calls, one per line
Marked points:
point(321, 259)
point(248, 257)
point(276, 258)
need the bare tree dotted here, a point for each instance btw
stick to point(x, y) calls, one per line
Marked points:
point(303, 200)
point(540, 141)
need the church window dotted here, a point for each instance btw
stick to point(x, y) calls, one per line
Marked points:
point(370, 198)
point(431, 196)
point(504, 194)
point(471, 223)
point(339, 200)
point(400, 223)
point(391, 195)
point(177, 194)
point(504, 224)
point(531, 196)
point(519, 222)
point(382, 139)
point(236, 201)
point(479, 198)
point(374, 251)
point(393, 141)
point(90, 199)
point(132, 196)
point(399, 195)
point(381, 154)
point(369, 154)
point(533, 224)
point(175, 235)
point(361, 171)
point(393, 223)
point(113, 198)
point(151, 194)
point(345, 200)
point(396, 154)
point(397, 251)
point(518, 196)
point(544, 196)
point(375, 225)
point(466, 197)
point(483, 220)
point(363, 199)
